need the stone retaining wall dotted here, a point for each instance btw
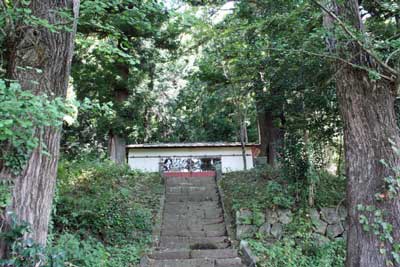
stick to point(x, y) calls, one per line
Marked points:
point(328, 223)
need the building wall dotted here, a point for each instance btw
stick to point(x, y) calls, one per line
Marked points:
point(148, 159)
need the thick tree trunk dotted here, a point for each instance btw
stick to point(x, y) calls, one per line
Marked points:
point(243, 141)
point(117, 142)
point(367, 109)
point(117, 148)
point(39, 48)
point(270, 136)
point(262, 126)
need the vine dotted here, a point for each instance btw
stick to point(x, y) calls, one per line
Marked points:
point(373, 220)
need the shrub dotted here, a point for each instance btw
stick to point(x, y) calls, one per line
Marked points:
point(330, 189)
point(126, 255)
point(82, 253)
point(69, 250)
point(107, 201)
point(109, 207)
point(289, 254)
point(256, 189)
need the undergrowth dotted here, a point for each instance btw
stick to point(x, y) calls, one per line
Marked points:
point(102, 217)
point(262, 188)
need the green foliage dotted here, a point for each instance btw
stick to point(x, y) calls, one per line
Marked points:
point(256, 189)
point(69, 250)
point(107, 201)
point(288, 253)
point(23, 117)
point(87, 136)
point(378, 221)
point(126, 255)
point(103, 217)
point(5, 194)
point(330, 189)
point(298, 247)
point(24, 252)
point(265, 187)
point(85, 253)
point(109, 207)
point(130, 40)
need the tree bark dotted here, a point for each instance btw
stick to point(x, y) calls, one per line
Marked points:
point(262, 132)
point(270, 136)
point(243, 141)
point(117, 148)
point(51, 52)
point(367, 109)
point(117, 142)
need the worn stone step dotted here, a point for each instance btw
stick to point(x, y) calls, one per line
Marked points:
point(214, 253)
point(218, 227)
point(179, 263)
point(194, 254)
point(206, 262)
point(173, 206)
point(183, 214)
point(190, 220)
point(171, 181)
point(212, 213)
point(194, 197)
point(232, 262)
point(193, 233)
point(189, 189)
point(174, 242)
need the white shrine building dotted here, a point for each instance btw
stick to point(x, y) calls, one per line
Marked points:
point(190, 157)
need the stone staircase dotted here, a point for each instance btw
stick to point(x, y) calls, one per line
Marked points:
point(193, 232)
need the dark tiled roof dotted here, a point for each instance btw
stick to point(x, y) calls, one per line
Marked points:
point(191, 145)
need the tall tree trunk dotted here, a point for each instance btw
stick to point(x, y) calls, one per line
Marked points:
point(367, 109)
point(262, 126)
point(40, 48)
point(270, 134)
point(243, 141)
point(116, 141)
point(117, 148)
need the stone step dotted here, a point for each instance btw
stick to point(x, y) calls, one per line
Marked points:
point(180, 263)
point(191, 220)
point(172, 206)
point(174, 242)
point(233, 262)
point(194, 254)
point(193, 232)
point(193, 227)
point(194, 197)
point(185, 233)
point(199, 214)
point(189, 189)
point(171, 181)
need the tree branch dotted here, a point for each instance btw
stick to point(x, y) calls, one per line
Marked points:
point(391, 55)
point(391, 70)
point(391, 79)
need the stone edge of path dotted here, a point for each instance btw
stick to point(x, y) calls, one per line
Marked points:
point(144, 260)
point(248, 256)
point(159, 218)
point(228, 220)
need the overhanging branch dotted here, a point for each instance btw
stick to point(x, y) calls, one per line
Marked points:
point(380, 62)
